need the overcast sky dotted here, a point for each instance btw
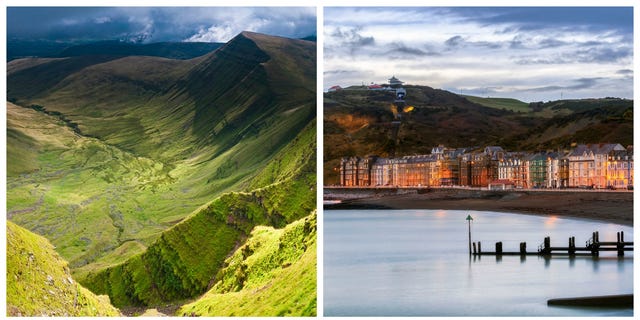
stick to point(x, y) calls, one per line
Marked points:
point(210, 24)
point(529, 53)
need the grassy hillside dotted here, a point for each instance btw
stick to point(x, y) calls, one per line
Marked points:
point(359, 122)
point(63, 185)
point(106, 154)
point(275, 266)
point(168, 270)
point(39, 282)
point(501, 103)
point(582, 121)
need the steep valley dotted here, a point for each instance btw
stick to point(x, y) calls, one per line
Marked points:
point(146, 173)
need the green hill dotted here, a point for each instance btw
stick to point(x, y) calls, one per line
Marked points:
point(359, 123)
point(116, 160)
point(39, 282)
point(500, 103)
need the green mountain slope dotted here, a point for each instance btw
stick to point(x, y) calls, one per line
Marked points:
point(105, 154)
point(169, 270)
point(62, 185)
point(39, 282)
point(264, 269)
point(500, 103)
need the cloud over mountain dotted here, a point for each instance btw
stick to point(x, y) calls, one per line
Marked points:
point(145, 24)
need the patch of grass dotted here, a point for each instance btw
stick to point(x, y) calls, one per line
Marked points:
point(258, 278)
point(514, 105)
point(39, 282)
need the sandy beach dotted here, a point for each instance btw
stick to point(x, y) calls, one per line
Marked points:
point(609, 206)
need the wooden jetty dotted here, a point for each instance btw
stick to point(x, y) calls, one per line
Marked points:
point(592, 247)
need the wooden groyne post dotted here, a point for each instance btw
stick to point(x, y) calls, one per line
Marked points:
point(592, 247)
point(523, 248)
point(469, 219)
point(572, 246)
point(620, 244)
point(499, 247)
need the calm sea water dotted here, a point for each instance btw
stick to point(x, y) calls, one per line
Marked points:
point(416, 263)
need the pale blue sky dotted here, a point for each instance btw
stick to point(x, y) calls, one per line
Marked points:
point(528, 53)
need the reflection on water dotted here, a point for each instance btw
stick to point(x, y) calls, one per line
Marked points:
point(416, 262)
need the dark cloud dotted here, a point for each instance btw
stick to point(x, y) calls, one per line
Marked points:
point(155, 24)
point(480, 91)
point(352, 37)
point(589, 55)
point(517, 43)
point(625, 72)
point(454, 41)
point(349, 40)
point(400, 50)
point(582, 83)
point(459, 42)
point(603, 54)
point(551, 43)
point(487, 44)
point(341, 72)
point(619, 19)
point(528, 43)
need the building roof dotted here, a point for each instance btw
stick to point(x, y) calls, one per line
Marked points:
point(596, 148)
point(394, 80)
point(493, 149)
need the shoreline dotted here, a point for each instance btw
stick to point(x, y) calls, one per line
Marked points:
point(610, 207)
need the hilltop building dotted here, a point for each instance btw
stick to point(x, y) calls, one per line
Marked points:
point(394, 82)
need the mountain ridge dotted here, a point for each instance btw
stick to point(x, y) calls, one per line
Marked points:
point(112, 142)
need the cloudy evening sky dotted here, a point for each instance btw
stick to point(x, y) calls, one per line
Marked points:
point(145, 24)
point(532, 54)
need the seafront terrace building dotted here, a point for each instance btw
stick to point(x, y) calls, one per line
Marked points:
point(620, 168)
point(590, 166)
point(513, 167)
point(554, 171)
